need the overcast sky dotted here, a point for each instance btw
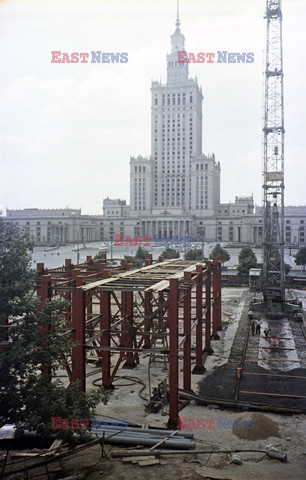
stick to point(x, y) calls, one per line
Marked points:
point(68, 130)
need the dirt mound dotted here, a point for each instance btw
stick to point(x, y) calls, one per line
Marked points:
point(255, 426)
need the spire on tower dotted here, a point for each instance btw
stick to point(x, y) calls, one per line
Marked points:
point(177, 73)
point(178, 16)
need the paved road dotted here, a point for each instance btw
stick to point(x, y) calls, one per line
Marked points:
point(55, 257)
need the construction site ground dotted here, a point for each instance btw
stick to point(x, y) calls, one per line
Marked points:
point(285, 433)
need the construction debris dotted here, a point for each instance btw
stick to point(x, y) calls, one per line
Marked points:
point(148, 463)
point(263, 427)
point(157, 398)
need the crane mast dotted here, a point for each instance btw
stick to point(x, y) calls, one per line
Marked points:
point(273, 271)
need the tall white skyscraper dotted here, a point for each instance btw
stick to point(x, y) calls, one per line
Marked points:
point(178, 180)
point(176, 132)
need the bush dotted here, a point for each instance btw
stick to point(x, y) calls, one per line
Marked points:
point(218, 250)
point(194, 254)
point(138, 260)
point(171, 251)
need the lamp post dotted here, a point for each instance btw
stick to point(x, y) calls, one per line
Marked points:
point(201, 236)
point(78, 250)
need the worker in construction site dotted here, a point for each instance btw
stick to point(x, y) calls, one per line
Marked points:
point(258, 327)
point(267, 332)
point(253, 327)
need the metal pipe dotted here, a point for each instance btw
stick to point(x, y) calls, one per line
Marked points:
point(144, 453)
point(153, 431)
point(145, 436)
point(240, 368)
point(272, 359)
point(100, 431)
point(273, 394)
point(273, 375)
point(239, 404)
point(148, 441)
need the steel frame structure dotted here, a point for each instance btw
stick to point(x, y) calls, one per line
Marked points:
point(273, 274)
point(115, 313)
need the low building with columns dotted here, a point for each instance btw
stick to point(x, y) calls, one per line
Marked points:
point(233, 223)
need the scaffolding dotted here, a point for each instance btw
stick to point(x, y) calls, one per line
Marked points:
point(115, 314)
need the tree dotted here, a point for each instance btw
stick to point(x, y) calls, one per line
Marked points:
point(138, 260)
point(141, 253)
point(218, 250)
point(300, 257)
point(28, 398)
point(171, 251)
point(194, 254)
point(16, 276)
point(247, 260)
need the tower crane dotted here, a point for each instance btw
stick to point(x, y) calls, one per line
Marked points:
point(273, 271)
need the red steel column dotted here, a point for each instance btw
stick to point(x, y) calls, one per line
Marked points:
point(215, 308)
point(67, 295)
point(199, 367)
point(219, 317)
point(147, 320)
point(173, 364)
point(105, 326)
point(187, 334)
point(208, 347)
point(149, 260)
point(67, 263)
point(78, 355)
point(44, 292)
point(128, 325)
point(123, 323)
point(89, 307)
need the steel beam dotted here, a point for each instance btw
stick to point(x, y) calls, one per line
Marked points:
point(215, 335)
point(147, 318)
point(127, 313)
point(208, 349)
point(45, 293)
point(78, 355)
point(173, 367)
point(199, 367)
point(105, 325)
point(187, 334)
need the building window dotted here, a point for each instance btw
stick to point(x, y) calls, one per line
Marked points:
point(231, 234)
